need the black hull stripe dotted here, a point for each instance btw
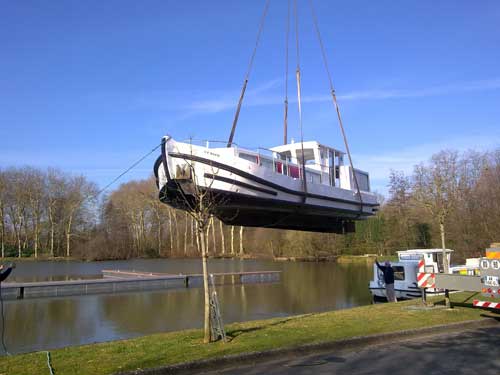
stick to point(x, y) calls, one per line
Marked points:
point(239, 183)
point(261, 181)
point(270, 202)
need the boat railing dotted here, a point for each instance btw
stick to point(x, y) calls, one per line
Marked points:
point(286, 166)
point(316, 173)
point(206, 142)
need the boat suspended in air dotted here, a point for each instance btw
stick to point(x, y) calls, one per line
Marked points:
point(265, 188)
point(302, 186)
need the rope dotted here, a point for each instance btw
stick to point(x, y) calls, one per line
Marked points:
point(247, 74)
point(259, 33)
point(127, 170)
point(285, 135)
point(304, 179)
point(334, 97)
point(49, 365)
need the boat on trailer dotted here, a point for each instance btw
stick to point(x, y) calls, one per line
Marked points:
point(266, 187)
point(405, 273)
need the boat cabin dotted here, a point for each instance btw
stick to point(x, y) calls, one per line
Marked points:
point(405, 273)
point(324, 165)
point(433, 258)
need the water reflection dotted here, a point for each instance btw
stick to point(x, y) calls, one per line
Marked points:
point(36, 324)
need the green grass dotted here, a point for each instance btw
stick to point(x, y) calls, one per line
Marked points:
point(178, 347)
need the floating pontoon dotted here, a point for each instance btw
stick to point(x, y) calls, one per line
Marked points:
point(265, 188)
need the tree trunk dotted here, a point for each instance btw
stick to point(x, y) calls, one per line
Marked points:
point(192, 231)
point(170, 234)
point(223, 245)
point(159, 231)
point(197, 237)
point(202, 241)
point(36, 241)
point(232, 239)
point(18, 235)
point(68, 234)
point(443, 245)
point(241, 241)
point(2, 233)
point(213, 235)
point(207, 238)
point(177, 237)
point(186, 224)
point(51, 220)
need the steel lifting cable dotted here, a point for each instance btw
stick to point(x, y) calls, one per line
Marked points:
point(285, 122)
point(297, 73)
point(127, 170)
point(334, 97)
point(245, 82)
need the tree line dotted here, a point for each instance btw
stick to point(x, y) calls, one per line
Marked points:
point(43, 212)
point(454, 198)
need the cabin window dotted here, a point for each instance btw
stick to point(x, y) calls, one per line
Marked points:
point(308, 156)
point(363, 182)
point(266, 163)
point(429, 269)
point(278, 167)
point(399, 272)
point(252, 158)
point(294, 171)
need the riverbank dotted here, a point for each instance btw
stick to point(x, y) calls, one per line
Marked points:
point(178, 347)
point(366, 258)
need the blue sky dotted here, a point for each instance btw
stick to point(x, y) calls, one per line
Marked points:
point(91, 86)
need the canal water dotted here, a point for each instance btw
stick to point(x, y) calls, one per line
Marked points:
point(49, 323)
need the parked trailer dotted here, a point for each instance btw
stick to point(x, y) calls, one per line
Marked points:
point(487, 282)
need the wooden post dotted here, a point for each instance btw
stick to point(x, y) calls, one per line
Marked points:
point(447, 298)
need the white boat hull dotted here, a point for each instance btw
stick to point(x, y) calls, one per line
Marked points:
point(252, 195)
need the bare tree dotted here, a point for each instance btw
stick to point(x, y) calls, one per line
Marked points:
point(213, 235)
point(35, 191)
point(200, 204)
point(241, 241)
point(435, 187)
point(232, 239)
point(54, 191)
point(170, 232)
point(177, 237)
point(186, 225)
point(16, 204)
point(78, 192)
point(223, 245)
point(399, 206)
point(3, 192)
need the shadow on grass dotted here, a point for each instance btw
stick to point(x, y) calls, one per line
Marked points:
point(232, 334)
point(467, 302)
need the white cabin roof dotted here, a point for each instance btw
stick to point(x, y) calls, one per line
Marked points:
point(424, 251)
point(298, 146)
point(416, 254)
